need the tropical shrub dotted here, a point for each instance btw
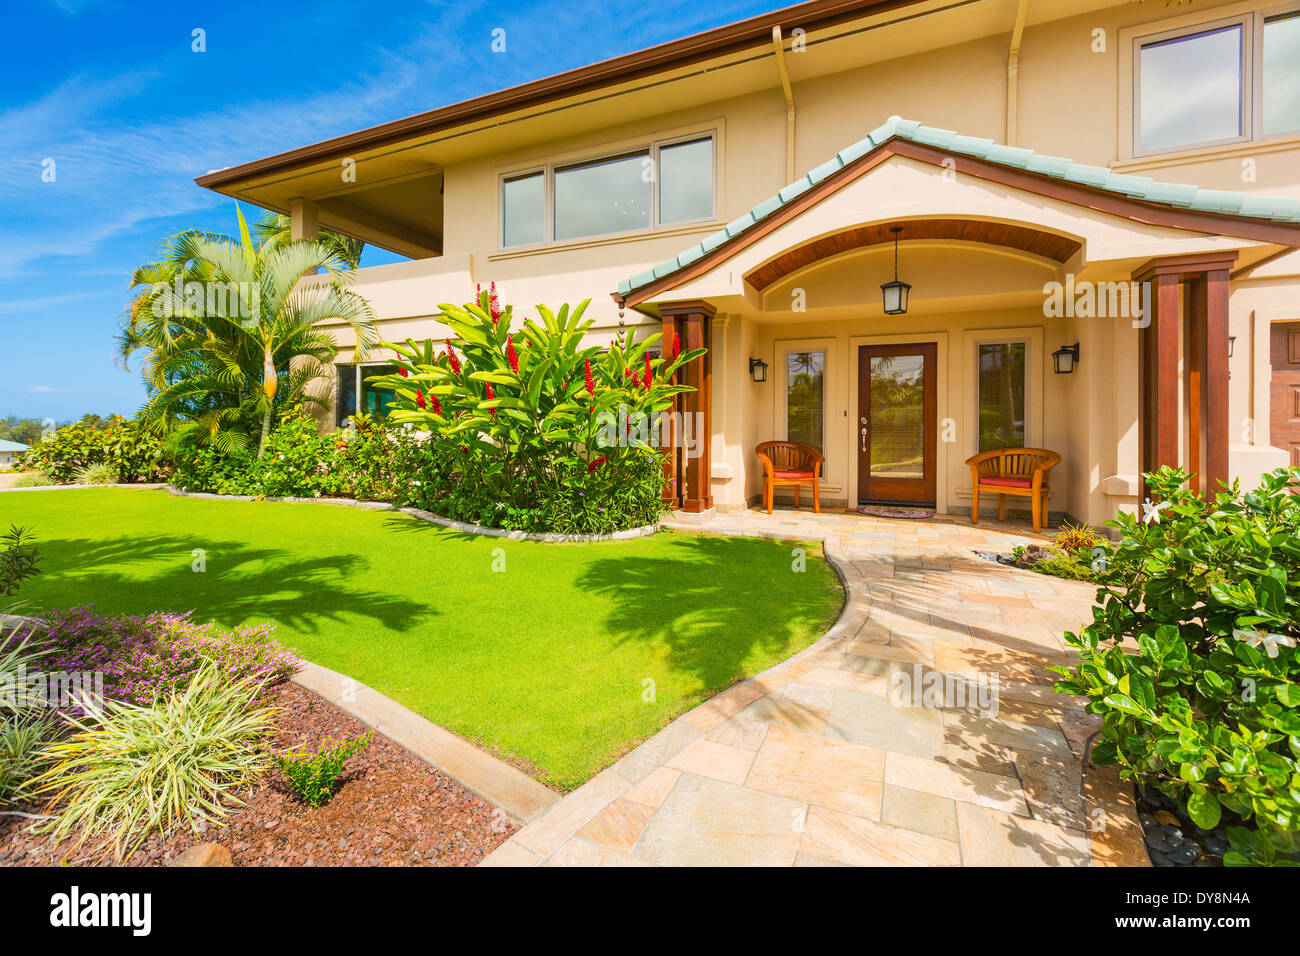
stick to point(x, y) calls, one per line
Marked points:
point(126, 449)
point(24, 730)
point(531, 428)
point(18, 560)
point(230, 332)
point(313, 774)
point(145, 657)
point(100, 474)
point(1191, 657)
point(130, 770)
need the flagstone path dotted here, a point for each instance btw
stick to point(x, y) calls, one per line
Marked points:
point(823, 760)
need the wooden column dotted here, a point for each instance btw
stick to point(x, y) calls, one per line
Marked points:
point(669, 433)
point(1158, 377)
point(1203, 319)
point(695, 324)
point(1214, 394)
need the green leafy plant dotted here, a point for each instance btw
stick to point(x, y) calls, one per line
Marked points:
point(1072, 538)
point(314, 774)
point(24, 731)
point(100, 474)
point(130, 770)
point(18, 560)
point(33, 479)
point(1191, 656)
point(128, 450)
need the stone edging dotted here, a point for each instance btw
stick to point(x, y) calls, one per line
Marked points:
point(144, 485)
point(461, 526)
point(519, 795)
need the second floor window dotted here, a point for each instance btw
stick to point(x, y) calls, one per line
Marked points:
point(663, 184)
point(1229, 82)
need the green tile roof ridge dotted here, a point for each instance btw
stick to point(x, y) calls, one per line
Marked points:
point(1142, 188)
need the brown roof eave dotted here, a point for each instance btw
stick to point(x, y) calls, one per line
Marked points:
point(755, 31)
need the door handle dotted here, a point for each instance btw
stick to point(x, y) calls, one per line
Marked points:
point(863, 433)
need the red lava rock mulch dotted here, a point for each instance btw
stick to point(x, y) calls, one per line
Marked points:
point(391, 809)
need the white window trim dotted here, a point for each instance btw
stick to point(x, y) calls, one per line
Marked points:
point(1032, 337)
point(549, 169)
point(1252, 24)
point(781, 379)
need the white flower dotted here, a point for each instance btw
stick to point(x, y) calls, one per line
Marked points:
point(1271, 642)
point(1151, 511)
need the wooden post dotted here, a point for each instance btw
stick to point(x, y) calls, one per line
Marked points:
point(695, 321)
point(1205, 385)
point(670, 438)
point(1214, 395)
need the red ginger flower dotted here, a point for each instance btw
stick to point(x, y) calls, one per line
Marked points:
point(677, 347)
point(591, 382)
point(511, 355)
point(649, 377)
point(489, 394)
point(435, 404)
point(494, 303)
point(596, 463)
point(419, 399)
point(451, 358)
point(403, 372)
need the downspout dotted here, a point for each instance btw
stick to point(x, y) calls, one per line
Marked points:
point(1013, 72)
point(779, 47)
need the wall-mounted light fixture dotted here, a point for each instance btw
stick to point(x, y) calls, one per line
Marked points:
point(758, 370)
point(895, 292)
point(1065, 359)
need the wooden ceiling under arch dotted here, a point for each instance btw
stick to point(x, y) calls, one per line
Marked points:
point(1035, 241)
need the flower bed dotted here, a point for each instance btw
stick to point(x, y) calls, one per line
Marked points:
point(142, 657)
point(391, 809)
point(527, 430)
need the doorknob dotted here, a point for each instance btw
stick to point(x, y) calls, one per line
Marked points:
point(863, 433)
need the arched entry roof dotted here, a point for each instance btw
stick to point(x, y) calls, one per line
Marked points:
point(1140, 199)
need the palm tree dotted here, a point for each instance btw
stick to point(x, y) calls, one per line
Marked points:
point(230, 335)
point(275, 230)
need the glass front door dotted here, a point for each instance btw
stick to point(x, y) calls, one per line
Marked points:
point(896, 423)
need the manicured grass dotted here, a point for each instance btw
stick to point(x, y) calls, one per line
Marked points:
point(547, 653)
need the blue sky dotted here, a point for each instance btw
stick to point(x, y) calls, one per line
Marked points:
point(113, 93)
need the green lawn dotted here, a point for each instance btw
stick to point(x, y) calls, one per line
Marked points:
point(547, 661)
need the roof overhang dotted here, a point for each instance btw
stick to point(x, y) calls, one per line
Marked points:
point(766, 236)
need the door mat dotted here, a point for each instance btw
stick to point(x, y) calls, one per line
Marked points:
point(877, 511)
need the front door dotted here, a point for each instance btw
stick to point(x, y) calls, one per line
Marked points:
point(1284, 404)
point(896, 423)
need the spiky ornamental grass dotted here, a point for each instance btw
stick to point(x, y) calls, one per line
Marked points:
point(24, 731)
point(129, 770)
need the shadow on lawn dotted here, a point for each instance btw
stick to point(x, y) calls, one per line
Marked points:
point(142, 573)
point(715, 603)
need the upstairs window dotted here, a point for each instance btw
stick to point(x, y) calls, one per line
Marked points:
point(663, 184)
point(1230, 81)
point(1280, 74)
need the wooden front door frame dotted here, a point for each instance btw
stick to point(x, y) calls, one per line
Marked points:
point(920, 491)
point(949, 456)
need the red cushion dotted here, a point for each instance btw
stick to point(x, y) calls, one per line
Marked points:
point(793, 474)
point(1008, 482)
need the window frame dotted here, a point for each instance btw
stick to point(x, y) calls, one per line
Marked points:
point(1010, 339)
point(784, 348)
point(1251, 23)
point(358, 384)
point(548, 170)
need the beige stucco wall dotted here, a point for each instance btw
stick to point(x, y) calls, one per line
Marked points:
point(1073, 101)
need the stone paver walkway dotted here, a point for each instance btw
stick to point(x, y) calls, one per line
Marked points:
point(834, 757)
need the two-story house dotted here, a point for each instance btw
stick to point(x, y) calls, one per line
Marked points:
point(1095, 204)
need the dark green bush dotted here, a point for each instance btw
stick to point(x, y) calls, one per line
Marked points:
point(1191, 657)
point(126, 448)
